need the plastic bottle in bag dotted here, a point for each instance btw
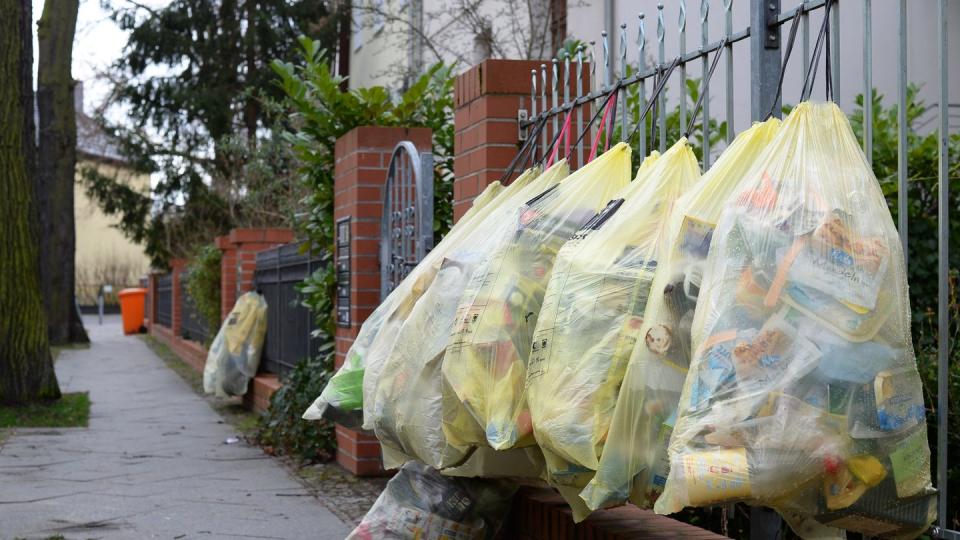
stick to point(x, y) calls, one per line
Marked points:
point(484, 370)
point(803, 392)
point(633, 464)
point(592, 314)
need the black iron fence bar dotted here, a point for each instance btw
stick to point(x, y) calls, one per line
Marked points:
point(631, 80)
point(801, 9)
point(943, 268)
point(766, 20)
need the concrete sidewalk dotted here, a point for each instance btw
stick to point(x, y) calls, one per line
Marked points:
point(152, 464)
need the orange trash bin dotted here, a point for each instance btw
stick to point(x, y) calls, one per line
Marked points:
point(131, 309)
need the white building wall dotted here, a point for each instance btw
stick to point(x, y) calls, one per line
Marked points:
point(380, 53)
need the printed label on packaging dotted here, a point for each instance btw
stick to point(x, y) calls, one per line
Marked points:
point(899, 399)
point(413, 523)
point(716, 476)
point(539, 354)
point(838, 272)
point(911, 465)
point(695, 237)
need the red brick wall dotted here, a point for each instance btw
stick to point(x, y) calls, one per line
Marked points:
point(539, 513)
point(487, 98)
point(177, 267)
point(239, 260)
point(362, 158)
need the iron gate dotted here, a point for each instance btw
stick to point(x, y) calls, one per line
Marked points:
point(551, 100)
point(406, 226)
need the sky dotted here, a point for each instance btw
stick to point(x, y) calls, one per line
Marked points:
point(97, 44)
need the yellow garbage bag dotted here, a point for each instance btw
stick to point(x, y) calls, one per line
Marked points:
point(234, 355)
point(405, 397)
point(803, 393)
point(485, 366)
point(634, 455)
point(342, 399)
point(592, 313)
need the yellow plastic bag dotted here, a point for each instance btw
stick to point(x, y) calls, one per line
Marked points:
point(342, 398)
point(803, 393)
point(235, 353)
point(592, 313)
point(634, 454)
point(485, 366)
point(405, 402)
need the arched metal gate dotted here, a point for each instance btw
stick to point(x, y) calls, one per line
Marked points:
point(406, 226)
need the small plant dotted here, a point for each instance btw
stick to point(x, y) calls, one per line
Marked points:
point(282, 427)
point(203, 285)
point(71, 410)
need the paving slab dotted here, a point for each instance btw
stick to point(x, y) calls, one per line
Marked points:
point(151, 464)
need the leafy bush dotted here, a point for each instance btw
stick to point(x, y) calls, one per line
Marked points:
point(203, 285)
point(281, 426)
point(321, 112)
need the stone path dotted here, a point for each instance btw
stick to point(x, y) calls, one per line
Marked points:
point(152, 464)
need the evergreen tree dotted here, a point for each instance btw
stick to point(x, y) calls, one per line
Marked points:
point(192, 79)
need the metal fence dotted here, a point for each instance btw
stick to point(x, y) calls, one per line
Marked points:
point(540, 125)
point(193, 325)
point(164, 300)
point(289, 324)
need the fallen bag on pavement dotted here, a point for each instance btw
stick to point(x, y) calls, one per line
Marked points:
point(342, 398)
point(405, 398)
point(235, 353)
point(419, 503)
point(485, 365)
point(803, 393)
point(634, 454)
point(592, 313)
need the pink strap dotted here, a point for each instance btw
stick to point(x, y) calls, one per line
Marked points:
point(564, 132)
point(603, 127)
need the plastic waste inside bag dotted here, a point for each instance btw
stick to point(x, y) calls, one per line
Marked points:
point(421, 504)
point(342, 399)
point(592, 313)
point(235, 353)
point(803, 391)
point(634, 454)
point(484, 369)
point(405, 401)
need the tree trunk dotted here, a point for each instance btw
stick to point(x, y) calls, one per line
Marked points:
point(56, 171)
point(26, 368)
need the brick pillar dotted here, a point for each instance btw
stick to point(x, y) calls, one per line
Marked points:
point(177, 266)
point(239, 260)
point(362, 157)
point(487, 98)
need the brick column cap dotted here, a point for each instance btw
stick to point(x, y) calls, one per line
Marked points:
point(376, 138)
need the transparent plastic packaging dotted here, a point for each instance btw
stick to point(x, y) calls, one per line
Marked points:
point(234, 355)
point(421, 504)
point(342, 399)
point(404, 397)
point(484, 369)
point(634, 455)
point(592, 314)
point(803, 393)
